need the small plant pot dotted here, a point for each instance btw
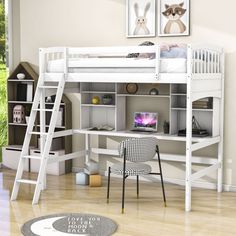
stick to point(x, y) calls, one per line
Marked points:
point(107, 101)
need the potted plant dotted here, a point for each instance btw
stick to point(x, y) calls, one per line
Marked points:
point(107, 99)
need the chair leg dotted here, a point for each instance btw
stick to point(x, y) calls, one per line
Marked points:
point(108, 184)
point(162, 182)
point(123, 195)
point(137, 186)
point(123, 187)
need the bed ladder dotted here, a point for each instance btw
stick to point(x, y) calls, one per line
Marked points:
point(45, 137)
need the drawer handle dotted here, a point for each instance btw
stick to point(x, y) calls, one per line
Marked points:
point(50, 153)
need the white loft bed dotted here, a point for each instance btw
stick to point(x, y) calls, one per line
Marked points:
point(201, 74)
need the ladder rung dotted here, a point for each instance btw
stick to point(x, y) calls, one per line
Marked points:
point(48, 87)
point(38, 109)
point(26, 181)
point(38, 133)
point(32, 157)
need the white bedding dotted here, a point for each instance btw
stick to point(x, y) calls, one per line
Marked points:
point(122, 65)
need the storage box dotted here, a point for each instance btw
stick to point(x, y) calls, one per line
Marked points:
point(82, 178)
point(11, 157)
point(95, 180)
point(57, 168)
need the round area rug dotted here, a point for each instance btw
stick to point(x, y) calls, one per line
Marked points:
point(69, 224)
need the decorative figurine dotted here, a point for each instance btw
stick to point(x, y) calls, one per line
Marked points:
point(153, 91)
point(166, 127)
point(49, 99)
point(19, 114)
point(132, 88)
point(20, 76)
point(95, 100)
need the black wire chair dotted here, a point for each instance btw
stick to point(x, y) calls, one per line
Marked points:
point(136, 151)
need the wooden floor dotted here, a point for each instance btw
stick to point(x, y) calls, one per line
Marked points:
point(213, 214)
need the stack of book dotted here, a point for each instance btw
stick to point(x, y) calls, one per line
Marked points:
point(205, 103)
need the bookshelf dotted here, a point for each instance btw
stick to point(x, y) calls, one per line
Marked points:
point(169, 103)
point(18, 94)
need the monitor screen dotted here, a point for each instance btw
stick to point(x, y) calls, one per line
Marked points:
point(145, 120)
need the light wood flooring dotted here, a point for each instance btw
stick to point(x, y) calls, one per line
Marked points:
point(213, 214)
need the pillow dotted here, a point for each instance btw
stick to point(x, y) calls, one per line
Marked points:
point(142, 55)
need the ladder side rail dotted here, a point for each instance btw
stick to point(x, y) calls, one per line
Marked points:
point(45, 153)
point(26, 143)
point(52, 125)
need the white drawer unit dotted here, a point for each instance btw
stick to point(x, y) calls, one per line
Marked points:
point(57, 168)
point(11, 157)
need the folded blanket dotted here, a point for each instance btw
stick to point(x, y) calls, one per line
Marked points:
point(174, 52)
point(167, 51)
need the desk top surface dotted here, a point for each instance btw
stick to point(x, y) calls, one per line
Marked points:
point(135, 134)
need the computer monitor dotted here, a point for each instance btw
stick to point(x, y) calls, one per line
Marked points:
point(145, 121)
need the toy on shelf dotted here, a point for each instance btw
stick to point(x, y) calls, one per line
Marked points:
point(95, 100)
point(20, 76)
point(19, 114)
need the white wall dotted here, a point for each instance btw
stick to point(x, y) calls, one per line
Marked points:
point(48, 23)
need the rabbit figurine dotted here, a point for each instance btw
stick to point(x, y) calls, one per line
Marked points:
point(141, 21)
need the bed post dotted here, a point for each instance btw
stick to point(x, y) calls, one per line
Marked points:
point(188, 132)
point(220, 144)
point(157, 69)
point(41, 112)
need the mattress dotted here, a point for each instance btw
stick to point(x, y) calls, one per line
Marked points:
point(117, 65)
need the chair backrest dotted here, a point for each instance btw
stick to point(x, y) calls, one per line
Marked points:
point(138, 149)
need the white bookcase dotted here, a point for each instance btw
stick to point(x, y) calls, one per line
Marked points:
point(170, 104)
point(208, 118)
point(100, 114)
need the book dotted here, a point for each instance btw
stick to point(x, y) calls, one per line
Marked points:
point(29, 96)
point(102, 128)
point(195, 133)
point(21, 93)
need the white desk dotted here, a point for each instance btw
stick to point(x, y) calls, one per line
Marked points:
point(133, 134)
point(199, 142)
point(212, 164)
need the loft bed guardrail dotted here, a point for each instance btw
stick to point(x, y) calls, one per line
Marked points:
point(130, 63)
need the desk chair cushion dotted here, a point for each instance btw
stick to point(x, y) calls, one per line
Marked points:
point(131, 169)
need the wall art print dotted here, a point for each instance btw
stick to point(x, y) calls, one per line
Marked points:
point(140, 18)
point(173, 17)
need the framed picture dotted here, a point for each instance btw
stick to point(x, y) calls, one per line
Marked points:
point(140, 18)
point(173, 17)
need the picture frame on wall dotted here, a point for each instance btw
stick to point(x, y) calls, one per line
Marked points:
point(140, 18)
point(173, 18)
